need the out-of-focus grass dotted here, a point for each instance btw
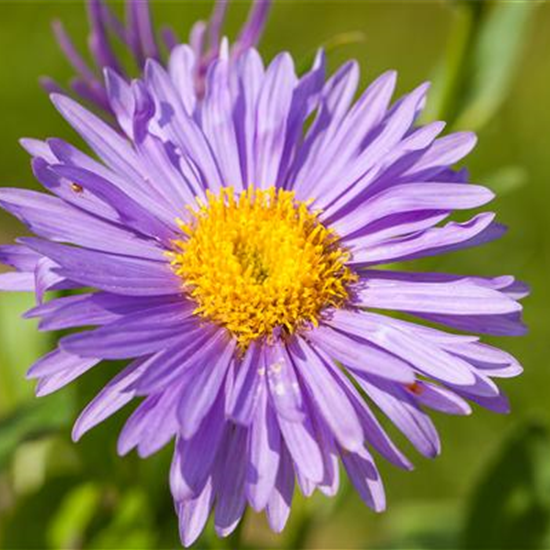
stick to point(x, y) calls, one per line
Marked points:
point(125, 503)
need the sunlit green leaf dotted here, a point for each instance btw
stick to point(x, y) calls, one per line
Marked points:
point(67, 528)
point(495, 58)
point(20, 345)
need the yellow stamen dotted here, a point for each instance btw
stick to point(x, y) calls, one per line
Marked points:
point(259, 261)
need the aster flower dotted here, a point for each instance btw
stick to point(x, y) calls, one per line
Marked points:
point(235, 251)
point(139, 37)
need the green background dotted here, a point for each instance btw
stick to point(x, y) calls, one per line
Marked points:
point(490, 488)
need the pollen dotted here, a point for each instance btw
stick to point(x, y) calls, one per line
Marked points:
point(260, 262)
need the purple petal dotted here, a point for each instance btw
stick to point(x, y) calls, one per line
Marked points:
point(152, 425)
point(305, 100)
point(131, 212)
point(98, 40)
point(193, 515)
point(196, 455)
point(421, 353)
point(443, 153)
point(145, 30)
point(136, 334)
point(301, 441)
point(243, 399)
point(250, 74)
point(280, 501)
point(348, 136)
point(197, 397)
point(217, 122)
point(411, 197)
point(52, 218)
point(366, 479)
point(498, 404)
point(74, 367)
point(45, 278)
point(98, 308)
point(181, 66)
point(180, 128)
point(231, 500)
point(67, 46)
point(253, 27)
point(393, 129)
point(37, 148)
point(327, 395)
point(391, 228)
point(108, 401)
point(359, 355)
point(264, 452)
point(165, 170)
point(118, 274)
point(63, 188)
point(439, 398)
point(495, 325)
point(306, 486)
point(215, 23)
point(401, 409)
point(437, 240)
point(17, 282)
point(169, 38)
point(20, 257)
point(283, 383)
point(335, 100)
point(374, 434)
point(54, 362)
point(487, 359)
point(197, 347)
point(121, 100)
point(461, 297)
point(272, 113)
point(112, 148)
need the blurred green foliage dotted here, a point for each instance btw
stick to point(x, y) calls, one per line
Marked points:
point(485, 45)
point(510, 507)
point(491, 488)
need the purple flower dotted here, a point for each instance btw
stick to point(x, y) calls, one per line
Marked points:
point(139, 38)
point(234, 250)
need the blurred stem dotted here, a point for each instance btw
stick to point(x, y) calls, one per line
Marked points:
point(469, 19)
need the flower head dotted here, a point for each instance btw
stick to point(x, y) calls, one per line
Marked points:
point(235, 250)
point(138, 35)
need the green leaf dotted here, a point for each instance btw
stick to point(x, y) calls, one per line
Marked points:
point(131, 525)
point(20, 345)
point(495, 58)
point(26, 525)
point(424, 524)
point(36, 419)
point(506, 180)
point(484, 48)
point(510, 507)
point(67, 528)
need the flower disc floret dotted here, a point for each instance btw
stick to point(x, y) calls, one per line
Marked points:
point(259, 261)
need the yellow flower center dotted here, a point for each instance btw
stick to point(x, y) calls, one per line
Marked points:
point(260, 261)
